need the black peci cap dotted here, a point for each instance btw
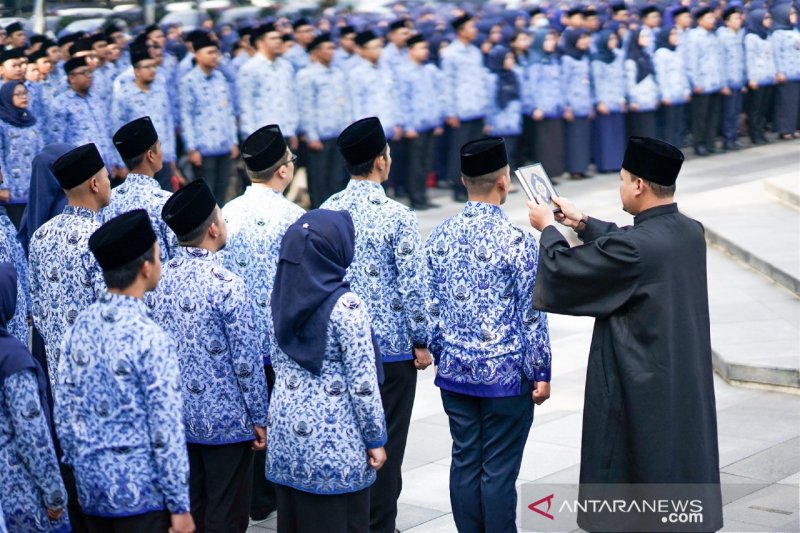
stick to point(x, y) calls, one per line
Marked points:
point(135, 137)
point(653, 160)
point(77, 166)
point(483, 156)
point(318, 40)
point(122, 239)
point(189, 207)
point(362, 141)
point(263, 148)
point(364, 37)
point(457, 22)
point(75, 62)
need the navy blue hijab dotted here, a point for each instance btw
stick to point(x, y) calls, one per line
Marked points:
point(637, 54)
point(14, 356)
point(507, 81)
point(315, 253)
point(46, 199)
point(604, 53)
point(754, 23)
point(16, 116)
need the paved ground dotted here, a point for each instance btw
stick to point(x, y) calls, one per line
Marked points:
point(759, 430)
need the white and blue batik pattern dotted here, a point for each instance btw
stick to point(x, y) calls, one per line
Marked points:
point(543, 90)
point(298, 57)
point(11, 252)
point(608, 82)
point(320, 427)
point(267, 95)
point(208, 121)
point(256, 223)
point(18, 147)
point(759, 60)
point(143, 192)
point(78, 120)
point(486, 337)
point(373, 94)
point(388, 270)
point(673, 85)
point(733, 51)
point(64, 275)
point(508, 120)
point(206, 309)
point(467, 85)
point(643, 94)
point(130, 102)
point(577, 85)
point(706, 63)
point(420, 96)
point(118, 411)
point(325, 101)
point(786, 50)
point(31, 480)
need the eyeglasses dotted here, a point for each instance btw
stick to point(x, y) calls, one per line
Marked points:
point(292, 160)
point(87, 73)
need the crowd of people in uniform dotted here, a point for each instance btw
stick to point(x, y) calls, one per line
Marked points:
point(209, 362)
point(564, 86)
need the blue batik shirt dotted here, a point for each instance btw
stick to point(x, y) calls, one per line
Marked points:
point(420, 96)
point(31, 479)
point(643, 93)
point(577, 85)
point(65, 277)
point(388, 268)
point(78, 120)
point(706, 63)
point(673, 85)
point(11, 252)
point(733, 51)
point(325, 100)
point(298, 57)
point(373, 94)
point(467, 87)
point(320, 427)
point(118, 411)
point(256, 223)
point(608, 83)
point(485, 335)
point(18, 147)
point(759, 60)
point(208, 122)
point(207, 310)
point(267, 95)
point(130, 102)
point(786, 50)
point(143, 192)
point(544, 90)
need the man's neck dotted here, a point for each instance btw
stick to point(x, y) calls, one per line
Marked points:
point(270, 57)
point(465, 41)
point(416, 62)
point(206, 244)
point(655, 202)
point(374, 178)
point(80, 203)
point(206, 70)
point(143, 171)
point(81, 92)
point(493, 199)
point(273, 184)
point(134, 291)
point(143, 85)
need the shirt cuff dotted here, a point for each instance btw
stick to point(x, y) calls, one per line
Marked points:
point(541, 375)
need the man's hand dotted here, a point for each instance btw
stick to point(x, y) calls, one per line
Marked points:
point(541, 392)
point(422, 358)
point(780, 78)
point(726, 91)
point(666, 102)
point(438, 132)
point(537, 115)
point(753, 84)
point(181, 523)
point(315, 146)
point(411, 134)
point(260, 442)
point(568, 115)
point(234, 151)
point(54, 514)
point(397, 133)
point(697, 90)
point(540, 215)
point(569, 215)
point(453, 122)
point(195, 158)
point(5, 195)
point(602, 108)
point(377, 457)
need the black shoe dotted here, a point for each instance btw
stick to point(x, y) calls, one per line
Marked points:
point(701, 150)
point(431, 205)
point(261, 514)
point(732, 146)
point(416, 206)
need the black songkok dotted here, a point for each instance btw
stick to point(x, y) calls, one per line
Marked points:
point(653, 160)
point(483, 156)
point(362, 141)
point(122, 239)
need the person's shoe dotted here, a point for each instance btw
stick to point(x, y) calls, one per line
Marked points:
point(732, 146)
point(756, 141)
point(416, 206)
point(257, 515)
point(431, 205)
point(701, 150)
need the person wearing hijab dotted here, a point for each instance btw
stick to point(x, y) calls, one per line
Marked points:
point(608, 83)
point(543, 103)
point(20, 141)
point(785, 39)
point(207, 310)
point(388, 273)
point(491, 347)
point(576, 82)
point(11, 252)
point(326, 411)
point(505, 118)
point(32, 493)
point(706, 70)
point(118, 399)
point(641, 87)
point(673, 85)
point(760, 72)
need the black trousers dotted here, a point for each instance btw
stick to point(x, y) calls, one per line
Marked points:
point(154, 522)
point(468, 131)
point(220, 486)
point(671, 118)
point(303, 512)
point(731, 114)
point(419, 154)
point(399, 171)
point(14, 212)
point(397, 394)
point(77, 519)
point(787, 101)
point(325, 170)
point(263, 499)
point(489, 435)
point(757, 111)
point(705, 111)
point(216, 170)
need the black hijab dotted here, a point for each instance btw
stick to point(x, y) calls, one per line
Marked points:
point(754, 23)
point(570, 47)
point(15, 116)
point(315, 253)
point(604, 53)
point(637, 54)
point(662, 39)
point(14, 356)
point(507, 82)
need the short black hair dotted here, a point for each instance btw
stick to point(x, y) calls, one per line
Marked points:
point(364, 169)
point(196, 235)
point(484, 183)
point(659, 191)
point(136, 161)
point(124, 276)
